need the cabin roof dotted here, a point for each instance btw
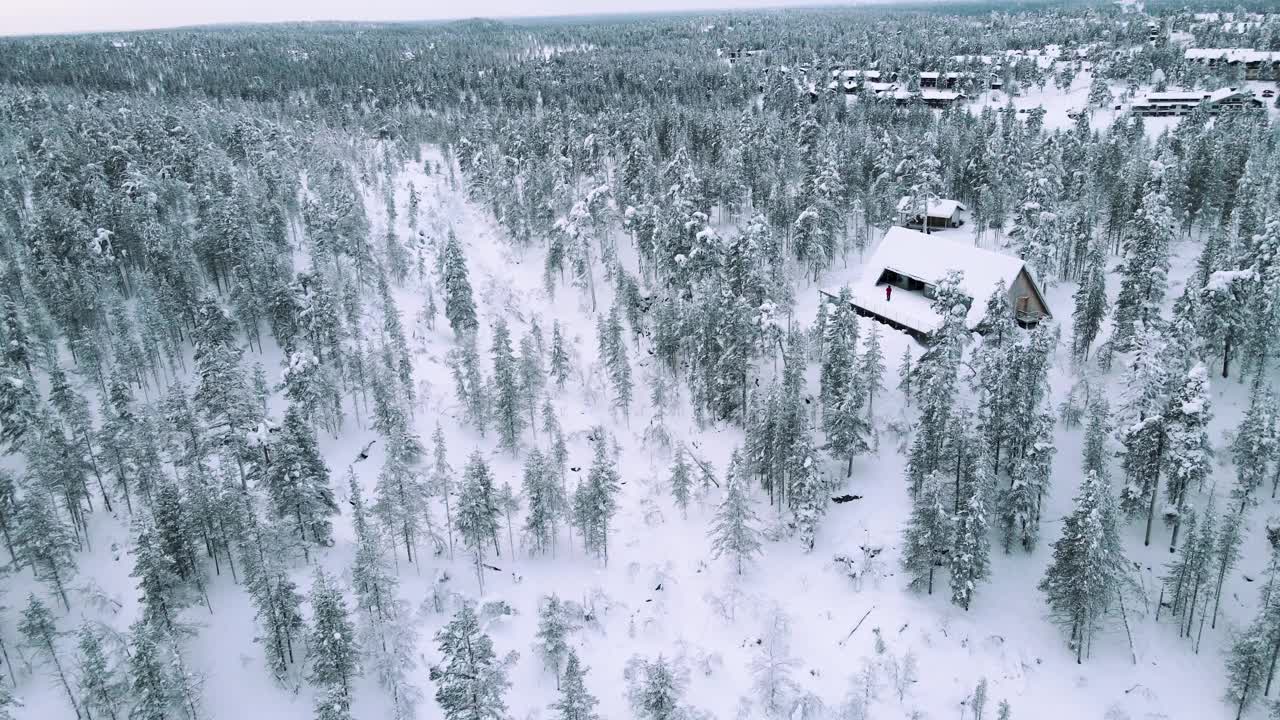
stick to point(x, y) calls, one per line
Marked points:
point(1245, 55)
point(928, 258)
point(939, 208)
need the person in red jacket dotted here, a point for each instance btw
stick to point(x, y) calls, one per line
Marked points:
point(888, 291)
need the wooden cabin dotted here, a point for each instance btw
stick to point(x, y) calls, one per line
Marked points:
point(942, 214)
point(1183, 102)
point(1258, 64)
point(912, 263)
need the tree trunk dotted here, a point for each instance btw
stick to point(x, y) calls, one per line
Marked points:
point(1155, 489)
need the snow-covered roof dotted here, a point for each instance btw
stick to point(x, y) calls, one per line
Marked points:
point(935, 94)
point(940, 207)
point(1232, 55)
point(928, 75)
point(1191, 97)
point(929, 258)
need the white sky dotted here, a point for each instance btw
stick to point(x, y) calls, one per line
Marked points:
point(28, 17)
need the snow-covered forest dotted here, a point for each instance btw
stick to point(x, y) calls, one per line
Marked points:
point(566, 370)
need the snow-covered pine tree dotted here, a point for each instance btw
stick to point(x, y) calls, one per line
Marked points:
point(969, 557)
point(8, 704)
point(734, 530)
point(99, 683)
point(155, 688)
point(541, 491)
point(1226, 551)
point(681, 480)
point(298, 480)
point(1144, 270)
point(1143, 427)
point(531, 373)
point(469, 384)
point(507, 408)
point(222, 395)
point(871, 367)
point(806, 491)
point(904, 374)
point(595, 500)
point(1029, 480)
point(40, 632)
point(1099, 93)
point(576, 702)
point(846, 428)
point(936, 380)
point(839, 352)
point(45, 543)
point(1253, 447)
point(472, 682)
point(554, 626)
point(772, 664)
point(1089, 301)
point(613, 355)
point(1088, 571)
point(163, 592)
point(559, 362)
point(477, 513)
point(654, 688)
point(401, 493)
point(508, 502)
point(1189, 574)
point(335, 650)
point(459, 306)
point(397, 343)
point(1188, 455)
point(117, 436)
point(929, 534)
point(441, 480)
point(386, 635)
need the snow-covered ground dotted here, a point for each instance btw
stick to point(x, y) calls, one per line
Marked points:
point(660, 594)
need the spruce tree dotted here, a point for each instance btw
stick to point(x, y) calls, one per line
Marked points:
point(507, 408)
point(45, 543)
point(99, 684)
point(335, 651)
point(151, 683)
point(441, 480)
point(871, 367)
point(613, 355)
point(1088, 571)
point(904, 375)
point(469, 384)
point(541, 492)
point(1144, 271)
point(559, 364)
point(846, 427)
point(576, 702)
point(41, 634)
point(477, 513)
point(472, 682)
point(595, 500)
point(928, 537)
point(968, 559)
point(654, 688)
point(1089, 302)
point(459, 306)
point(554, 627)
point(298, 480)
point(400, 495)
point(387, 635)
point(681, 480)
point(734, 530)
point(1253, 446)
point(1189, 454)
